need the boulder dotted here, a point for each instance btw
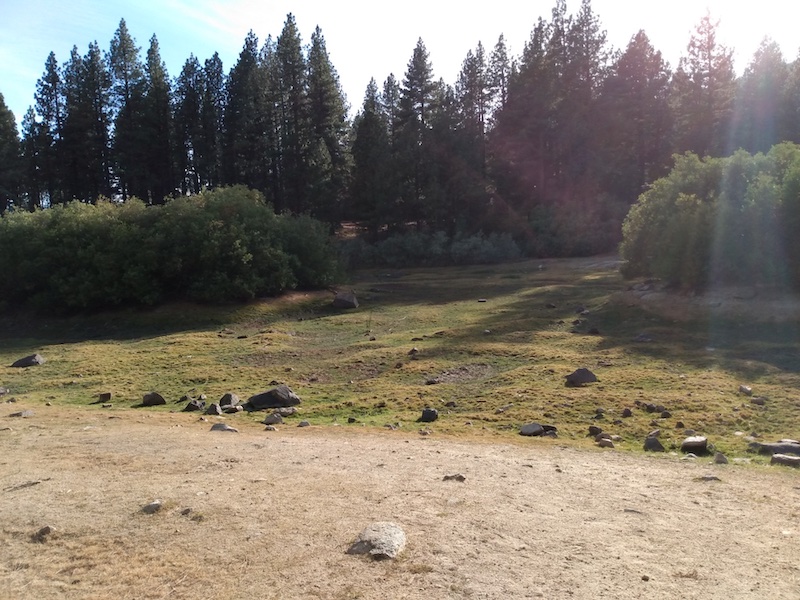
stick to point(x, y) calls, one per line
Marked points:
point(429, 415)
point(224, 427)
point(229, 399)
point(153, 399)
point(579, 377)
point(345, 300)
point(785, 460)
point(594, 430)
point(532, 430)
point(232, 410)
point(278, 397)
point(696, 444)
point(273, 419)
point(214, 409)
point(651, 444)
point(781, 447)
point(194, 405)
point(380, 540)
point(28, 361)
point(605, 443)
point(720, 459)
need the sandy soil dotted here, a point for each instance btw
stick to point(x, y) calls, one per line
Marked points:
point(272, 514)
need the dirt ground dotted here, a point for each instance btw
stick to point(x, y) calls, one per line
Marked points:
point(261, 514)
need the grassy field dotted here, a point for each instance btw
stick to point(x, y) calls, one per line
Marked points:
point(494, 343)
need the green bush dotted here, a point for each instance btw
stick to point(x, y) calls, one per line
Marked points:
point(220, 245)
point(719, 221)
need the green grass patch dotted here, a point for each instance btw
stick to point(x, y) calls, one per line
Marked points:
point(494, 344)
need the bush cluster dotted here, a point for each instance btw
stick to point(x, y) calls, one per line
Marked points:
point(729, 221)
point(419, 249)
point(221, 245)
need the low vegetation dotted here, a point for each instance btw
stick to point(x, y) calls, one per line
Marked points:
point(493, 347)
point(215, 246)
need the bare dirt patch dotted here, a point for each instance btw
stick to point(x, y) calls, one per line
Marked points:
point(271, 515)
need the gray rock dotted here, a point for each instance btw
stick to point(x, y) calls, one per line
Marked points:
point(594, 430)
point(345, 300)
point(153, 507)
point(720, 459)
point(24, 414)
point(429, 415)
point(153, 399)
point(746, 390)
point(785, 460)
point(651, 444)
point(758, 401)
point(232, 410)
point(4, 391)
point(781, 447)
point(273, 419)
point(270, 428)
point(602, 436)
point(28, 361)
point(627, 412)
point(104, 397)
point(286, 411)
point(214, 409)
point(380, 540)
point(605, 443)
point(194, 405)
point(278, 397)
point(696, 444)
point(580, 377)
point(455, 477)
point(654, 434)
point(665, 414)
point(532, 430)
point(224, 427)
point(43, 533)
point(304, 424)
point(229, 399)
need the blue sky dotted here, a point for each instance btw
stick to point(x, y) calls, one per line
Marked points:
point(364, 39)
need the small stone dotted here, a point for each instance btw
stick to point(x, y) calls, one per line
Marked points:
point(153, 507)
point(214, 409)
point(229, 399)
point(746, 390)
point(602, 436)
point(455, 477)
point(654, 434)
point(270, 428)
point(107, 405)
point(627, 412)
point(352, 420)
point(594, 430)
point(645, 578)
point(680, 425)
point(450, 404)
point(380, 540)
point(720, 459)
point(579, 378)
point(42, 535)
point(232, 410)
point(224, 427)
point(665, 414)
point(104, 397)
point(758, 401)
point(303, 424)
point(605, 443)
point(24, 414)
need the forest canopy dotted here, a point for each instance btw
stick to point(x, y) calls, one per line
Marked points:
point(549, 148)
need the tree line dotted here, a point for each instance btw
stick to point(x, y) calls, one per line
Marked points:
point(552, 146)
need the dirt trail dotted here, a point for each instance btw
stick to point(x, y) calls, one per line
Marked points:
point(272, 514)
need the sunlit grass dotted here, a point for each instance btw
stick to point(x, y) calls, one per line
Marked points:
point(493, 347)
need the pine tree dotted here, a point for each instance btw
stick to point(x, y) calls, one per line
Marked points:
point(10, 164)
point(499, 74)
point(292, 100)
point(210, 145)
point(127, 95)
point(757, 117)
point(412, 147)
point(189, 92)
point(50, 109)
point(371, 187)
point(157, 127)
point(327, 117)
point(636, 120)
point(33, 148)
point(390, 106)
point(703, 92)
point(243, 151)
